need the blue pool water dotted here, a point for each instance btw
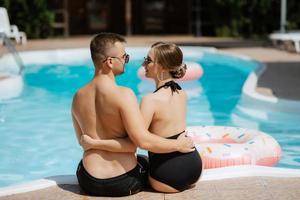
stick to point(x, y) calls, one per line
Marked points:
point(37, 137)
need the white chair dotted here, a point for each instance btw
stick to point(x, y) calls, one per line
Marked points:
point(11, 31)
point(286, 38)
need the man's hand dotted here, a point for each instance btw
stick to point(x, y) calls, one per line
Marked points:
point(86, 142)
point(185, 143)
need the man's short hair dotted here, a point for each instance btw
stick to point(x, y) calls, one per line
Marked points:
point(101, 43)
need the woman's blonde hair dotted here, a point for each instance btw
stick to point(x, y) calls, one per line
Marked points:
point(170, 57)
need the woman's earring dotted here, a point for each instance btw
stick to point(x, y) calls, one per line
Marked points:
point(161, 76)
point(158, 76)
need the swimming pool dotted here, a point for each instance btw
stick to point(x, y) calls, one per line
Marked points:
point(37, 134)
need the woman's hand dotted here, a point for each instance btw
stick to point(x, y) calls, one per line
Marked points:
point(86, 142)
point(186, 143)
point(120, 145)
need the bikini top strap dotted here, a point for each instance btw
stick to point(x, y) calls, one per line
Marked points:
point(172, 84)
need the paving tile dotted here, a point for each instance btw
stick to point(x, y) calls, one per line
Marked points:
point(205, 185)
point(295, 194)
point(281, 183)
point(285, 194)
point(73, 192)
point(261, 188)
point(245, 194)
point(193, 194)
point(51, 193)
point(149, 196)
point(239, 183)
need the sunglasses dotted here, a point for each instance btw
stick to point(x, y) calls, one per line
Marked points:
point(126, 58)
point(147, 60)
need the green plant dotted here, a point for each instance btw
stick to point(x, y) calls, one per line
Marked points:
point(31, 16)
point(255, 18)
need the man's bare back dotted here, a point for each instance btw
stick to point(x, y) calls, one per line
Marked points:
point(96, 110)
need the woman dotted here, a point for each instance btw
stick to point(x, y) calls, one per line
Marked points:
point(164, 112)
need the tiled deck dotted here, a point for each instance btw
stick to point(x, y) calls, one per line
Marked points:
point(254, 188)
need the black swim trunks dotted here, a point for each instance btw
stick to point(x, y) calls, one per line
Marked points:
point(126, 184)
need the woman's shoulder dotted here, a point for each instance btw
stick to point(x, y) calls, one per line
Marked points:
point(148, 97)
point(148, 101)
point(183, 93)
point(162, 97)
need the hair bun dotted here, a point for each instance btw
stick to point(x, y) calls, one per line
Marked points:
point(179, 71)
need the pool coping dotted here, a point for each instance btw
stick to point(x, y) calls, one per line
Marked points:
point(249, 94)
point(208, 175)
point(75, 55)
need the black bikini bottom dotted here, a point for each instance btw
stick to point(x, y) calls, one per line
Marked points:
point(178, 170)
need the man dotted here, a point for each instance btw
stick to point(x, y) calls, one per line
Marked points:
point(105, 111)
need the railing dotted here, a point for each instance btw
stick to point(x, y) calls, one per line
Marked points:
point(11, 48)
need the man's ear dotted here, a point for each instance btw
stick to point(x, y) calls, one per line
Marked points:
point(109, 63)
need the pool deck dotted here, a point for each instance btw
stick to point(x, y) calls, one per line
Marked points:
point(280, 79)
point(247, 188)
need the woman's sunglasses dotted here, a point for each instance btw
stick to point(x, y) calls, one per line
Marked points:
point(147, 60)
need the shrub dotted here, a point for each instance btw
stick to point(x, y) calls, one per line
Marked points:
point(31, 16)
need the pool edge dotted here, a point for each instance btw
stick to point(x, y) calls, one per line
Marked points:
point(208, 175)
point(250, 95)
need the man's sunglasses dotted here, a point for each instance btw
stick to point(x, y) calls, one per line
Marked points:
point(125, 57)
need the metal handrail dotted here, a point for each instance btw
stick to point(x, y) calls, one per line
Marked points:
point(11, 48)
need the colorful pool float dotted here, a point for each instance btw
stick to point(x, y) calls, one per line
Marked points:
point(227, 146)
point(194, 71)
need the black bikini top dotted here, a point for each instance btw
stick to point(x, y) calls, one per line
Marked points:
point(172, 84)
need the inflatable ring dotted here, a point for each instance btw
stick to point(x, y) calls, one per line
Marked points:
point(194, 72)
point(227, 146)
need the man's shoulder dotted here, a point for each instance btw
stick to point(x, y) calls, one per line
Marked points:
point(125, 91)
point(76, 98)
point(78, 94)
point(126, 96)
